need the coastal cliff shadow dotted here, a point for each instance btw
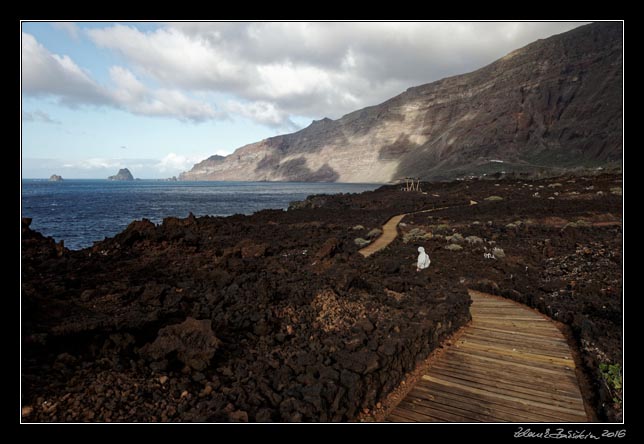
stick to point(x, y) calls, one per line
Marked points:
point(297, 170)
point(429, 163)
point(413, 160)
point(400, 147)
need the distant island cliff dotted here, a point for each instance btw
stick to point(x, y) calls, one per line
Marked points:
point(56, 178)
point(123, 174)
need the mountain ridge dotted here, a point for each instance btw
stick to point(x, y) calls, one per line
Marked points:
point(555, 103)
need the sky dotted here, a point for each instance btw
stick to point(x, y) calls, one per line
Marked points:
point(157, 97)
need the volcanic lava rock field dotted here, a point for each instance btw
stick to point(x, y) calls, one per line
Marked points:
point(277, 317)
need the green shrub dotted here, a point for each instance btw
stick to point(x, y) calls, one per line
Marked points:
point(578, 224)
point(612, 375)
point(360, 242)
point(474, 240)
point(414, 234)
point(455, 238)
point(441, 227)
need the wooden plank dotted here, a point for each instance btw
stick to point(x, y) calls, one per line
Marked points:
point(504, 387)
point(479, 321)
point(446, 410)
point(484, 302)
point(508, 360)
point(511, 338)
point(475, 326)
point(404, 410)
point(504, 359)
point(482, 307)
point(478, 357)
point(507, 340)
point(513, 316)
point(523, 355)
point(395, 417)
point(505, 309)
point(435, 413)
point(500, 369)
point(530, 372)
point(527, 402)
point(491, 333)
point(519, 346)
point(507, 315)
point(514, 379)
point(488, 331)
point(510, 318)
point(511, 376)
point(409, 415)
point(517, 324)
point(505, 411)
point(535, 415)
point(469, 410)
point(519, 329)
point(525, 360)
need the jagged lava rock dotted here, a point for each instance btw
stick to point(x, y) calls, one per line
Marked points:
point(193, 342)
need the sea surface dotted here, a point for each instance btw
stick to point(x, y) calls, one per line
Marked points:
point(81, 212)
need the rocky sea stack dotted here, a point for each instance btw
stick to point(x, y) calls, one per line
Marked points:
point(56, 178)
point(123, 174)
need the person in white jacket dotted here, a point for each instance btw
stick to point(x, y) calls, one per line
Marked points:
point(423, 259)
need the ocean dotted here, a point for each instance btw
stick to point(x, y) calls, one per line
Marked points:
point(81, 212)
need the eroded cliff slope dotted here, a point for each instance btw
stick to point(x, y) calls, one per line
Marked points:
point(556, 103)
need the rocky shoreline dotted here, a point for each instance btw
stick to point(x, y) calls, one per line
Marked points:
point(276, 317)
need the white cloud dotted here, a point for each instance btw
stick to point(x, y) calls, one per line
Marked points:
point(273, 73)
point(286, 79)
point(132, 95)
point(281, 70)
point(265, 113)
point(70, 28)
point(170, 56)
point(47, 74)
point(176, 163)
point(38, 116)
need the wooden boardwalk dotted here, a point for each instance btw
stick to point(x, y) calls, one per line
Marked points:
point(389, 233)
point(511, 364)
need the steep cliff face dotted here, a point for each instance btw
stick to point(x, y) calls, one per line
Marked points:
point(554, 103)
